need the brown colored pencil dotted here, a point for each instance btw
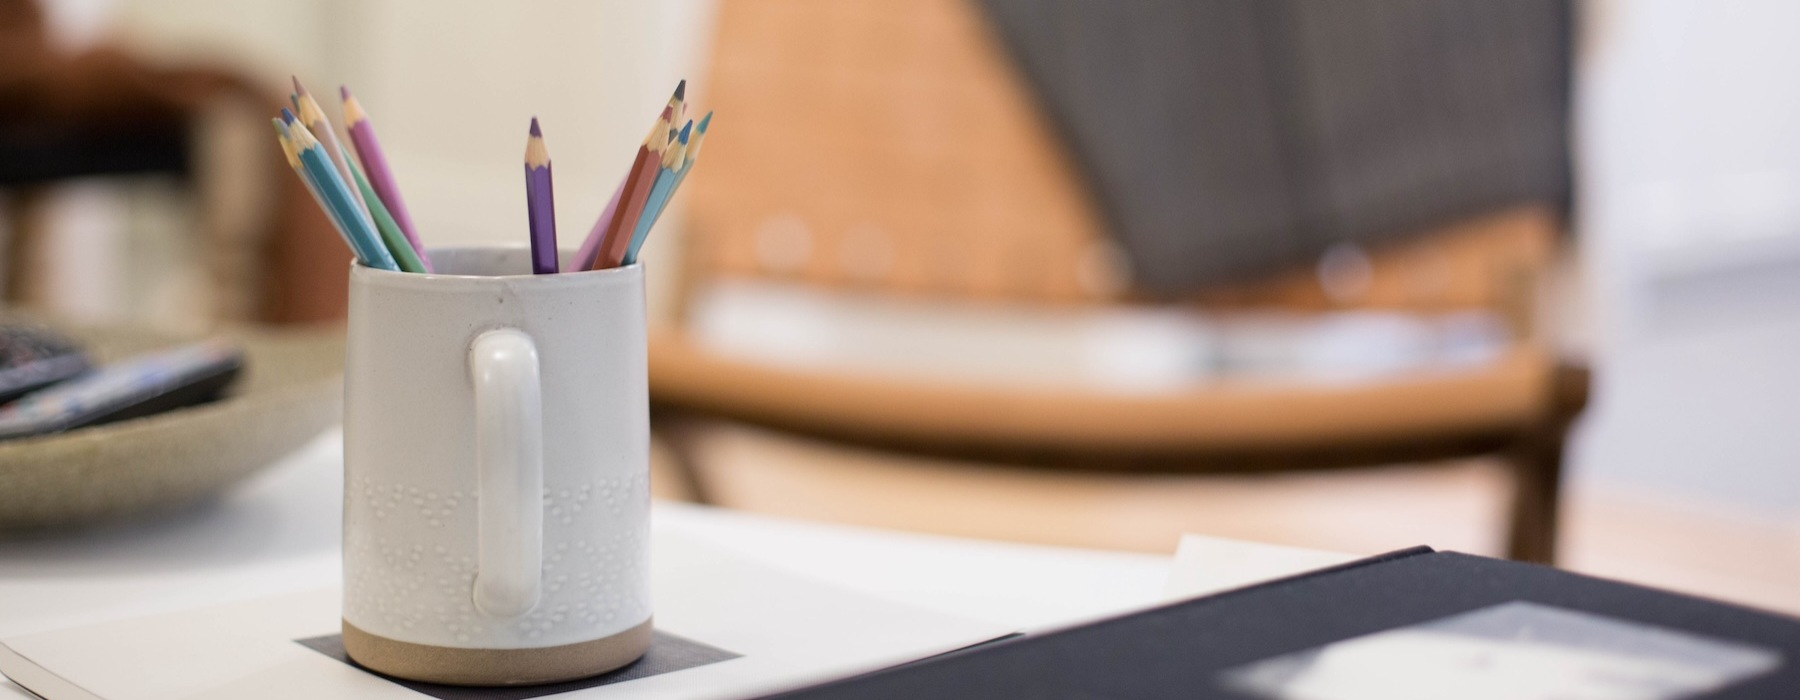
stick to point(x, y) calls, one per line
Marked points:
point(637, 189)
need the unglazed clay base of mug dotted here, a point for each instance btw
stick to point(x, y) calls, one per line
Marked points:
point(454, 666)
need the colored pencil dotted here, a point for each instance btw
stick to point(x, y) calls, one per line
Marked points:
point(590, 246)
point(693, 155)
point(375, 166)
point(293, 159)
point(612, 243)
point(336, 195)
point(677, 107)
point(672, 161)
point(395, 241)
point(314, 119)
point(539, 204)
point(351, 181)
point(637, 189)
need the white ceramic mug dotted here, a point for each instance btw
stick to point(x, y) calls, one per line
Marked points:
point(496, 471)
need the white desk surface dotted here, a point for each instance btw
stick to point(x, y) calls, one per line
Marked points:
point(280, 533)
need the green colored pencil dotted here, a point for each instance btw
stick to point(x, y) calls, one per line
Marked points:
point(397, 244)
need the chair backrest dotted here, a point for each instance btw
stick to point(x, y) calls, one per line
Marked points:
point(892, 148)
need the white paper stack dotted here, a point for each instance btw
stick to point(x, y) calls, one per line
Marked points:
point(786, 631)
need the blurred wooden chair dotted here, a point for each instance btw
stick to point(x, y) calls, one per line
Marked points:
point(894, 152)
point(102, 112)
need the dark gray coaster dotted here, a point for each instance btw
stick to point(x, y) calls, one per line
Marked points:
point(668, 653)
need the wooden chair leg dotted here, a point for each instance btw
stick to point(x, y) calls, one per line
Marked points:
point(24, 242)
point(1537, 471)
point(681, 432)
point(1537, 475)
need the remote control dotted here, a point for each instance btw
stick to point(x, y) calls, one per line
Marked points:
point(140, 386)
point(33, 357)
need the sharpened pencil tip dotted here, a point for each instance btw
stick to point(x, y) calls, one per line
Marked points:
point(535, 131)
point(705, 122)
point(287, 116)
point(681, 89)
point(298, 88)
point(685, 130)
point(344, 92)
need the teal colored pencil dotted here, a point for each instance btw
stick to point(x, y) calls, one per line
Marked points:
point(674, 158)
point(693, 155)
point(397, 244)
point(363, 239)
point(293, 159)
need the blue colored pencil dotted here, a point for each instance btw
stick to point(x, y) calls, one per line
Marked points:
point(336, 194)
point(293, 160)
point(673, 158)
point(313, 117)
point(540, 205)
point(692, 154)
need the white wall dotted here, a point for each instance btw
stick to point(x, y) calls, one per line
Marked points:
point(1690, 155)
point(1689, 204)
point(452, 86)
point(452, 91)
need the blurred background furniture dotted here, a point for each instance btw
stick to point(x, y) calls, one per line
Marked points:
point(1677, 281)
point(900, 156)
point(103, 112)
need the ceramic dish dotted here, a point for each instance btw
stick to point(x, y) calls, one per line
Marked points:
point(289, 392)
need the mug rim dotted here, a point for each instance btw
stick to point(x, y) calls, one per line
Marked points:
point(373, 275)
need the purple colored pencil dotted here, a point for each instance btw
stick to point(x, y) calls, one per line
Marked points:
point(375, 166)
point(539, 204)
point(590, 248)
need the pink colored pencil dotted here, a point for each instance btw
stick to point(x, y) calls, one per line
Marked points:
point(375, 166)
point(590, 248)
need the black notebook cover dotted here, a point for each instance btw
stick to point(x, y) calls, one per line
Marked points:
point(1219, 646)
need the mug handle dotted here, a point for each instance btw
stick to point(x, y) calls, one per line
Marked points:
point(509, 449)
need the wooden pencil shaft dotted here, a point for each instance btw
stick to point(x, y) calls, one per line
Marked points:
point(541, 210)
point(699, 138)
point(654, 213)
point(676, 153)
point(617, 237)
point(540, 205)
point(590, 246)
point(312, 188)
point(314, 118)
point(381, 176)
point(660, 191)
point(610, 237)
point(337, 196)
point(337, 219)
point(659, 195)
point(401, 249)
point(631, 210)
point(319, 199)
point(680, 177)
point(610, 248)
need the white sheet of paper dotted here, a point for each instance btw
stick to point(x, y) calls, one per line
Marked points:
point(790, 630)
